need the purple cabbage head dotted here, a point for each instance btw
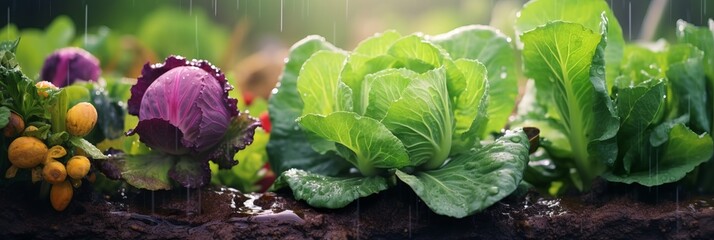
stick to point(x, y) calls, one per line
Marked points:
point(67, 65)
point(184, 109)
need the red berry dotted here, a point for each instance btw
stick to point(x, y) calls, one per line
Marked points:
point(248, 98)
point(265, 121)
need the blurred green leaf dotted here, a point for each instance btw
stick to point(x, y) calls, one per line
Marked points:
point(289, 147)
point(59, 33)
point(168, 32)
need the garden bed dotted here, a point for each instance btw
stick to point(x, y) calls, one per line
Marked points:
point(609, 212)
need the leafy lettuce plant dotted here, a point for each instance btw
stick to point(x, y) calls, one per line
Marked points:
point(187, 118)
point(566, 55)
point(413, 108)
point(659, 97)
point(703, 39)
point(636, 132)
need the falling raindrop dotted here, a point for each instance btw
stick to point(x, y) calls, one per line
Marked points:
point(215, 7)
point(347, 8)
point(629, 22)
point(86, 11)
point(190, 7)
point(197, 50)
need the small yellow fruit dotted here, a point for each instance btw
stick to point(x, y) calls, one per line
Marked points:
point(81, 119)
point(78, 167)
point(61, 195)
point(54, 172)
point(26, 152)
point(43, 86)
point(14, 127)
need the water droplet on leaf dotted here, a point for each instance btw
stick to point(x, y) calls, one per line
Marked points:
point(493, 190)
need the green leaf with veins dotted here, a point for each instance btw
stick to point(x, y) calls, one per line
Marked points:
point(288, 146)
point(684, 151)
point(470, 108)
point(703, 39)
point(328, 192)
point(88, 148)
point(686, 76)
point(567, 60)
point(490, 47)
point(642, 64)
point(318, 83)
point(585, 12)
point(363, 141)
point(473, 181)
point(149, 171)
point(423, 119)
point(416, 54)
point(386, 87)
point(370, 56)
point(639, 108)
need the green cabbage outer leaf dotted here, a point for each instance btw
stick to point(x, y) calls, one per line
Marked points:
point(148, 171)
point(328, 192)
point(585, 12)
point(288, 146)
point(492, 48)
point(319, 86)
point(364, 142)
point(566, 60)
point(473, 181)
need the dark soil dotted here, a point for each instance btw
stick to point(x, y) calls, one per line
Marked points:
point(609, 212)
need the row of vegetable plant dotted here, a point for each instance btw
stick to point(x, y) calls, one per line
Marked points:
point(423, 109)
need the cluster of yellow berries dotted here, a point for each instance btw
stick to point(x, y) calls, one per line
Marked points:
point(28, 152)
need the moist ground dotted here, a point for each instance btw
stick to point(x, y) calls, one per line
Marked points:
point(608, 212)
